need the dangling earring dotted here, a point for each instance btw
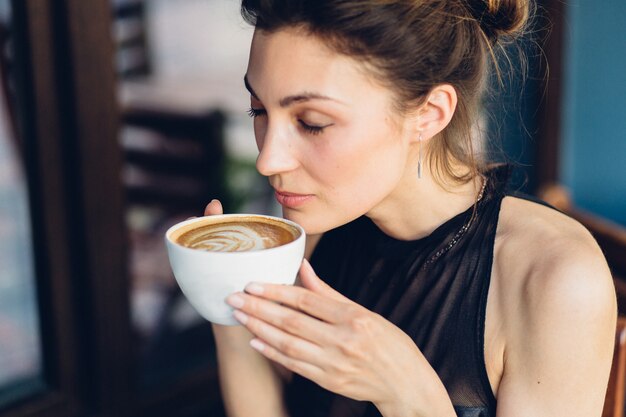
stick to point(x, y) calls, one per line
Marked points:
point(419, 161)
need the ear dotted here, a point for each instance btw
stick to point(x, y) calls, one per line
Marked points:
point(435, 113)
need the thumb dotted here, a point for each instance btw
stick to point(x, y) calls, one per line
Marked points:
point(213, 208)
point(310, 280)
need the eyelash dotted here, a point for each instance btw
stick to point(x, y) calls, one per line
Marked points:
point(314, 130)
point(252, 112)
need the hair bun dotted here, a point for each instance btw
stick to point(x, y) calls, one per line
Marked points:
point(499, 18)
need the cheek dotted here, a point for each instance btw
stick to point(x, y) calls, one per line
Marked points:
point(376, 175)
point(361, 168)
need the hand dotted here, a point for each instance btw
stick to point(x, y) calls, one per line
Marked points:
point(325, 337)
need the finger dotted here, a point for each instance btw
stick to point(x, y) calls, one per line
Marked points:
point(287, 319)
point(213, 208)
point(319, 306)
point(310, 280)
point(304, 369)
point(287, 344)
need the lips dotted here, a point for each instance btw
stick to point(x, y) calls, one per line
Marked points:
point(292, 200)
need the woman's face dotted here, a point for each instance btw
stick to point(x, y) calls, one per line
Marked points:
point(325, 128)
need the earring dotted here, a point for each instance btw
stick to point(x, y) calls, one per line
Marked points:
point(419, 161)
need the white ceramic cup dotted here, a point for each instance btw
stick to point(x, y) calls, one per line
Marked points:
point(206, 278)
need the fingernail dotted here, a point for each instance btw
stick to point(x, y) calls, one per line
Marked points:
point(254, 288)
point(235, 301)
point(240, 316)
point(257, 344)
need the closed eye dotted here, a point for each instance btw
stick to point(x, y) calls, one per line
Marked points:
point(314, 130)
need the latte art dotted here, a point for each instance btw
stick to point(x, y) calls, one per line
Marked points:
point(231, 238)
point(237, 236)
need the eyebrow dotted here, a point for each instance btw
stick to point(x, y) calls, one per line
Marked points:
point(287, 101)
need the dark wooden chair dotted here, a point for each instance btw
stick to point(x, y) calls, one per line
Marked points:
point(612, 239)
point(174, 153)
point(614, 400)
point(130, 34)
point(173, 160)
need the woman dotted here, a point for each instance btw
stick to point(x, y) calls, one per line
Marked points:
point(432, 291)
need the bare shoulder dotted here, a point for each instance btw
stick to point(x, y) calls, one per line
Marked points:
point(549, 264)
point(550, 254)
point(555, 301)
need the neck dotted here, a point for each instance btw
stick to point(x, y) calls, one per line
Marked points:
point(418, 206)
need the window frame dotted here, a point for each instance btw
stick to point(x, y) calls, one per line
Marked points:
point(69, 144)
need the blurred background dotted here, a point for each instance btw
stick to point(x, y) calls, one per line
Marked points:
point(119, 118)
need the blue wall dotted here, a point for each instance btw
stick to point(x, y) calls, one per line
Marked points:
point(593, 159)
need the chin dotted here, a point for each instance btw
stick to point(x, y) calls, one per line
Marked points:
point(308, 224)
point(312, 224)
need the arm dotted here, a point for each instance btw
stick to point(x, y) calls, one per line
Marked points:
point(250, 385)
point(560, 335)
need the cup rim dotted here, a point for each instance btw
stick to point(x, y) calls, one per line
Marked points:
point(200, 219)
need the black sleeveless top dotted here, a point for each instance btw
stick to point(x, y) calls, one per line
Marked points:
point(434, 289)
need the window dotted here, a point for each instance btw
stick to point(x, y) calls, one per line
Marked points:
point(20, 341)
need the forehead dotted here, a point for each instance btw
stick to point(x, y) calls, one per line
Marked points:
point(291, 60)
point(289, 42)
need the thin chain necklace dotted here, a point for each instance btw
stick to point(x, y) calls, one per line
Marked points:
point(461, 231)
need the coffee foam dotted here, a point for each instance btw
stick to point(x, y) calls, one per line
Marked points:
point(238, 236)
point(230, 238)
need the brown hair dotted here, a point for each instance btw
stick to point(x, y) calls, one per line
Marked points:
point(413, 46)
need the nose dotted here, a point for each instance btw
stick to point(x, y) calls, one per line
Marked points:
point(277, 153)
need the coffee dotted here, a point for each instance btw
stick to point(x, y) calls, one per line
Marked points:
point(238, 235)
point(229, 255)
